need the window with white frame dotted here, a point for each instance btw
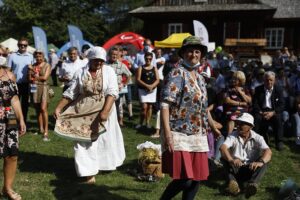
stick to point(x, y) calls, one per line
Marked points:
point(174, 28)
point(274, 37)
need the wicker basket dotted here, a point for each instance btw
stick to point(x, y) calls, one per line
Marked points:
point(152, 169)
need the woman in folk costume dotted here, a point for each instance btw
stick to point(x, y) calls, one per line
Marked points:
point(105, 152)
point(185, 122)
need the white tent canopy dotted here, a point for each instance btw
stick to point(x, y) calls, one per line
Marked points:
point(12, 45)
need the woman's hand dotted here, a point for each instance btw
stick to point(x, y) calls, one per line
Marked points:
point(22, 128)
point(217, 133)
point(149, 88)
point(56, 113)
point(104, 115)
point(169, 144)
point(239, 90)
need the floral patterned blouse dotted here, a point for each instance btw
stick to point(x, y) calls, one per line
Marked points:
point(8, 89)
point(188, 102)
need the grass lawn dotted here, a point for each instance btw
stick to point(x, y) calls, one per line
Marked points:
point(46, 170)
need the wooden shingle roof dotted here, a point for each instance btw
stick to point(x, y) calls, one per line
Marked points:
point(284, 8)
point(200, 8)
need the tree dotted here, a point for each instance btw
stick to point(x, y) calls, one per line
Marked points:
point(98, 19)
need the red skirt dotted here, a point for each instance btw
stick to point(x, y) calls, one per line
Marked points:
point(185, 165)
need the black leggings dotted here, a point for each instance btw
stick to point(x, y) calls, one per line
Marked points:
point(188, 187)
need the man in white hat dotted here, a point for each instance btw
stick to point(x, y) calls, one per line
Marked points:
point(246, 155)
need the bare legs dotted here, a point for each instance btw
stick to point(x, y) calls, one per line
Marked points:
point(9, 173)
point(42, 112)
point(146, 113)
point(130, 109)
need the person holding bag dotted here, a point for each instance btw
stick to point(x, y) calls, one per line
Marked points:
point(39, 74)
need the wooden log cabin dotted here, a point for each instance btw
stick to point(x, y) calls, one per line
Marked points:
point(237, 25)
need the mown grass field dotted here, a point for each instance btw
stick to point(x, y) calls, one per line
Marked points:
point(46, 170)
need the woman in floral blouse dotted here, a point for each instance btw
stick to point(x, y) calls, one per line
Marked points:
point(185, 122)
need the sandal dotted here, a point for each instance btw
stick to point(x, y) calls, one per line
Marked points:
point(10, 194)
point(90, 180)
point(155, 136)
point(46, 137)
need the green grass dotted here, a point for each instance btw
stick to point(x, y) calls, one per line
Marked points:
point(46, 170)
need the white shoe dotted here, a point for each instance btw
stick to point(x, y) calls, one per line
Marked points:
point(46, 139)
point(138, 126)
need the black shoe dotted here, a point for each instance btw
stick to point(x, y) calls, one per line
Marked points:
point(130, 118)
point(251, 190)
point(279, 146)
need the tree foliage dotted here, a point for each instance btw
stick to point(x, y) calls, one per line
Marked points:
point(97, 19)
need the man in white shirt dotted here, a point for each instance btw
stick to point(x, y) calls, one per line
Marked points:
point(70, 66)
point(246, 155)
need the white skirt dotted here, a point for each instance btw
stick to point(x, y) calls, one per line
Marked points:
point(106, 153)
point(147, 97)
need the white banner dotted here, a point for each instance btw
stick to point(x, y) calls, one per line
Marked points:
point(201, 32)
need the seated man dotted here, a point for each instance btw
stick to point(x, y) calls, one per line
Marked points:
point(246, 155)
point(268, 105)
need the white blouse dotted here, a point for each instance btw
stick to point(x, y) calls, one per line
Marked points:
point(110, 84)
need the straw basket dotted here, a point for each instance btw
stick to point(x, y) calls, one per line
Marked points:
point(152, 169)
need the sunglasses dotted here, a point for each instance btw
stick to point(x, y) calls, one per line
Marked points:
point(3, 54)
point(22, 45)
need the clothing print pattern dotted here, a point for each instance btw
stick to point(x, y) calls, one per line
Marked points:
point(8, 137)
point(188, 100)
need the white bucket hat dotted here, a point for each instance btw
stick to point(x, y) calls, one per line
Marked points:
point(246, 118)
point(96, 53)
